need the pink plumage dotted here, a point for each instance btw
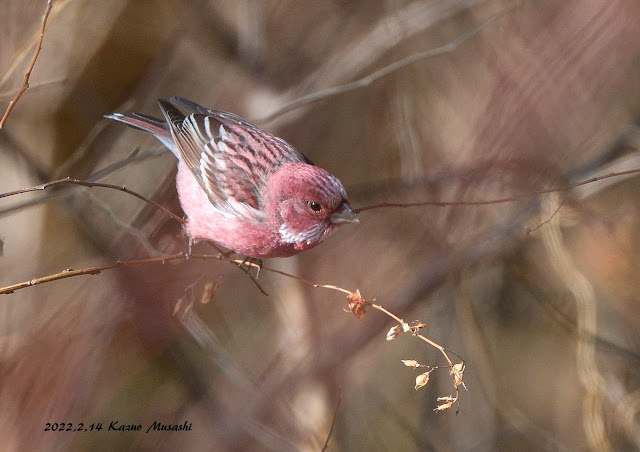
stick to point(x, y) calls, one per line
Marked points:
point(243, 188)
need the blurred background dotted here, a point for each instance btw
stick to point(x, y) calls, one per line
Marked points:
point(540, 295)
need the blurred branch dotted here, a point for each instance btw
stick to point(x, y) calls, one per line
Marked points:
point(585, 300)
point(401, 24)
point(383, 72)
point(34, 170)
point(139, 235)
point(27, 75)
point(333, 421)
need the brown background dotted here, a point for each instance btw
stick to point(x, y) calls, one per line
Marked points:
point(547, 93)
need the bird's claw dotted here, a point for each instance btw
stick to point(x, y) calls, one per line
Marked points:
point(246, 268)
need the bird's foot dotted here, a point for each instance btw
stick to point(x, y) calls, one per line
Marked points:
point(249, 262)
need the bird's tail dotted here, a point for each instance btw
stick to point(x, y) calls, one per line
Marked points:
point(154, 126)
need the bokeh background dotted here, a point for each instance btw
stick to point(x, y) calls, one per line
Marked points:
point(540, 295)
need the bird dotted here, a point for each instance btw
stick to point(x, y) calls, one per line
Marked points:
point(241, 187)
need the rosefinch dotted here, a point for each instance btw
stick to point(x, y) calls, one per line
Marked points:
point(243, 188)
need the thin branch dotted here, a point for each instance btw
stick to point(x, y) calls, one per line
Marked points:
point(240, 265)
point(333, 421)
point(414, 330)
point(134, 157)
point(436, 345)
point(393, 316)
point(500, 200)
point(21, 53)
point(69, 273)
point(555, 212)
point(70, 181)
point(27, 75)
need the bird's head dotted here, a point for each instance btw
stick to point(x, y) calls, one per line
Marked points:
point(306, 204)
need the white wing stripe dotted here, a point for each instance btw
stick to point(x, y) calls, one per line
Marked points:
point(207, 127)
point(223, 133)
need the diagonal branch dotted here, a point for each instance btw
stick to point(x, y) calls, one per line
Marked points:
point(507, 199)
point(382, 72)
point(27, 75)
point(70, 181)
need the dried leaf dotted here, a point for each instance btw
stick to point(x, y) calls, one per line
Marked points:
point(411, 363)
point(449, 401)
point(394, 332)
point(209, 292)
point(444, 406)
point(457, 371)
point(357, 305)
point(416, 326)
point(422, 380)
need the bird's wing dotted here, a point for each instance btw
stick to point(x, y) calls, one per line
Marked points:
point(230, 158)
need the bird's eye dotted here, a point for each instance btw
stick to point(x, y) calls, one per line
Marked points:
point(315, 206)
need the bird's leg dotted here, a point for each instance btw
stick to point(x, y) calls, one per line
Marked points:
point(259, 263)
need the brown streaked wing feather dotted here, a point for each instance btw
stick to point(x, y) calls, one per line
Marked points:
point(188, 148)
point(230, 157)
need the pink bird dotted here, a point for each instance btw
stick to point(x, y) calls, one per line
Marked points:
point(243, 188)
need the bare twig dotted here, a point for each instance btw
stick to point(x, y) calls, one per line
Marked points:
point(69, 273)
point(134, 157)
point(500, 200)
point(404, 326)
point(393, 316)
point(70, 181)
point(27, 75)
point(555, 212)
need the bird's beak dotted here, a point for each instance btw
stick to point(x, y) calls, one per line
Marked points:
point(345, 215)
